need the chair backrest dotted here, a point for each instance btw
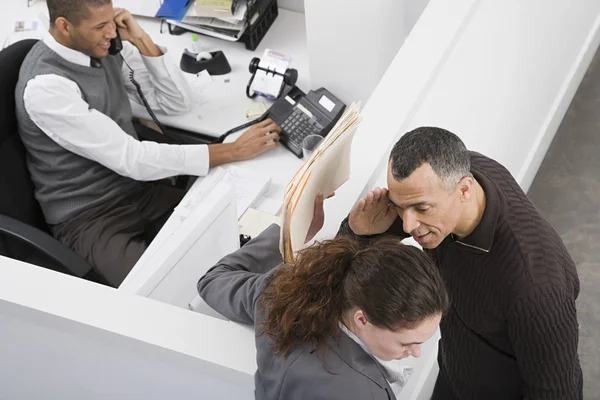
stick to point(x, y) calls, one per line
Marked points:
point(17, 198)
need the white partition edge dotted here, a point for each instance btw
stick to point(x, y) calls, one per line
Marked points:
point(212, 341)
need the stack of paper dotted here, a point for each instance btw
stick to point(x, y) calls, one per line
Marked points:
point(224, 19)
point(215, 8)
point(324, 171)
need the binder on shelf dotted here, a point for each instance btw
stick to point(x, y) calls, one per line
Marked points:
point(248, 23)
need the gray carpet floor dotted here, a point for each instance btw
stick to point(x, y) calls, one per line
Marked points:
point(566, 190)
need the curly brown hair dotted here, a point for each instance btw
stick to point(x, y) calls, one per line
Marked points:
point(395, 285)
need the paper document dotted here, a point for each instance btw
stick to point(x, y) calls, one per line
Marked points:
point(253, 222)
point(248, 187)
point(216, 8)
point(218, 33)
point(324, 171)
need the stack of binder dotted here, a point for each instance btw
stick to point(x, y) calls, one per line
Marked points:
point(324, 172)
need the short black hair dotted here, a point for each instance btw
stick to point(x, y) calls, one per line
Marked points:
point(441, 149)
point(73, 11)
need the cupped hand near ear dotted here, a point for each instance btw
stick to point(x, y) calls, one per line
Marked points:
point(372, 214)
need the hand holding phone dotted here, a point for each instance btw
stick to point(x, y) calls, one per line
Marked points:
point(127, 27)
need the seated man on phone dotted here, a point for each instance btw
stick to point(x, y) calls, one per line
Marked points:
point(92, 175)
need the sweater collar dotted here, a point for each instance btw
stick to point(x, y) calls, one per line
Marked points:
point(74, 56)
point(482, 237)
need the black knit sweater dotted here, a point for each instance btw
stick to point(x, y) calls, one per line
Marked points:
point(512, 330)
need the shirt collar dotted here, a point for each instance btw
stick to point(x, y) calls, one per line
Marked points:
point(74, 56)
point(482, 237)
point(362, 362)
point(394, 371)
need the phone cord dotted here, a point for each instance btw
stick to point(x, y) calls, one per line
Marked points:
point(220, 139)
point(143, 98)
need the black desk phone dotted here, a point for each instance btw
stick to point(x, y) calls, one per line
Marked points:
point(300, 115)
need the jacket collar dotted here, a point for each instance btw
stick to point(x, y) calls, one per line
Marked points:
point(482, 237)
point(357, 359)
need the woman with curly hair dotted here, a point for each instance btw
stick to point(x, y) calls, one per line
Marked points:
point(331, 325)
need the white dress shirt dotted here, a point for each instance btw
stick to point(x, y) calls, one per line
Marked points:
point(396, 374)
point(56, 106)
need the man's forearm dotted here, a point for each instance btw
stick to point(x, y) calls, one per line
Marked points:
point(146, 46)
point(222, 153)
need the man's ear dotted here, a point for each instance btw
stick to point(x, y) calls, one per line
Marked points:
point(465, 187)
point(63, 26)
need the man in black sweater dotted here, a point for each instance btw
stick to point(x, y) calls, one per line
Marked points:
point(512, 330)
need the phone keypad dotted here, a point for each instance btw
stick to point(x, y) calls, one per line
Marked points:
point(296, 127)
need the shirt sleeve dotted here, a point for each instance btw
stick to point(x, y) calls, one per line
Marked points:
point(162, 82)
point(56, 106)
point(543, 330)
point(394, 230)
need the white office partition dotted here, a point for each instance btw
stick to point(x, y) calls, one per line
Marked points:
point(351, 43)
point(202, 230)
point(62, 338)
point(412, 12)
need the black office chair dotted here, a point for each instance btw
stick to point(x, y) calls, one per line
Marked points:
point(24, 234)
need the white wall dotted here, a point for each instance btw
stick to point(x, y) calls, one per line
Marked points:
point(292, 5)
point(499, 74)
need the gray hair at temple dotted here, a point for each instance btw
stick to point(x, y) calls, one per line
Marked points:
point(73, 11)
point(442, 150)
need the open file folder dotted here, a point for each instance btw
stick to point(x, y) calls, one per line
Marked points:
point(324, 171)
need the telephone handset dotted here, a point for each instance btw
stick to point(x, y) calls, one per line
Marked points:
point(116, 45)
point(300, 115)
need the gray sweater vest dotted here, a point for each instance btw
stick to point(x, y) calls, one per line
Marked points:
point(65, 183)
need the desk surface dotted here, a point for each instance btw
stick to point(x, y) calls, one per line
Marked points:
point(223, 104)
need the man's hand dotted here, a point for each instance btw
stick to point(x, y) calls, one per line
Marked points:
point(256, 140)
point(131, 31)
point(372, 214)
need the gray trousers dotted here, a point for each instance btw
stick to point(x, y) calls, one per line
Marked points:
point(114, 235)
